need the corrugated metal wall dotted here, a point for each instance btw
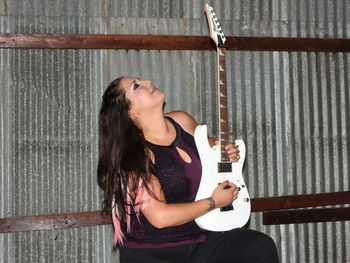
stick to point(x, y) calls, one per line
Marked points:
point(292, 110)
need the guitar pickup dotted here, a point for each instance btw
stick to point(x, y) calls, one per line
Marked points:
point(225, 167)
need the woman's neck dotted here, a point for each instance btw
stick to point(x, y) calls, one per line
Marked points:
point(158, 130)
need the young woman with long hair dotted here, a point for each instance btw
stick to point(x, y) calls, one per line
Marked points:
point(149, 170)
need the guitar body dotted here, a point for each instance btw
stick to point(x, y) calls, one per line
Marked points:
point(217, 220)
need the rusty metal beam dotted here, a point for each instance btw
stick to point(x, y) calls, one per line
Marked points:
point(169, 42)
point(300, 201)
point(81, 219)
point(69, 220)
point(306, 216)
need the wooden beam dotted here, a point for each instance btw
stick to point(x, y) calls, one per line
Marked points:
point(169, 42)
point(306, 216)
point(29, 223)
point(299, 201)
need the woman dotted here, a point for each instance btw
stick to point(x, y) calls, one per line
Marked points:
point(149, 170)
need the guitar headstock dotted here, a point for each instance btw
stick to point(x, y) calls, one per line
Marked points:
point(215, 29)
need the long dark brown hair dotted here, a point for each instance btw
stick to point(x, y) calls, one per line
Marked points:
point(123, 154)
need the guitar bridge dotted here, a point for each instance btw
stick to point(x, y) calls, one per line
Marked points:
point(225, 167)
point(226, 208)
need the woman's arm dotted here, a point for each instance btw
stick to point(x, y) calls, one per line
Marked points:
point(160, 214)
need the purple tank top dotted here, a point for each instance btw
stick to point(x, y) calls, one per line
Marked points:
point(180, 182)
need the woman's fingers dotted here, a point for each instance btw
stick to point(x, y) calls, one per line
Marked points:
point(233, 152)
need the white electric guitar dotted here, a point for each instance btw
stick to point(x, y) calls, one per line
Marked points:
point(216, 165)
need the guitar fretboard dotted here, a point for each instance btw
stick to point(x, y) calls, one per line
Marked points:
point(222, 103)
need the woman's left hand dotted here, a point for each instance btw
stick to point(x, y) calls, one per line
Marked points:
point(231, 149)
point(233, 152)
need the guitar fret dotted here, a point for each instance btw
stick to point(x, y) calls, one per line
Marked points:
point(223, 113)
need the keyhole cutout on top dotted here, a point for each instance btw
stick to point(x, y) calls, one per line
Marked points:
point(184, 156)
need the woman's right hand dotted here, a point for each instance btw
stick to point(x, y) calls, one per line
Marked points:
point(224, 194)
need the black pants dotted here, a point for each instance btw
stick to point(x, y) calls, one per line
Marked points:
point(239, 245)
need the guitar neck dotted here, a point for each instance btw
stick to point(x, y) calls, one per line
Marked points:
point(222, 103)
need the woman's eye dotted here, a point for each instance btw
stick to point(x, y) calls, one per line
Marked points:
point(136, 86)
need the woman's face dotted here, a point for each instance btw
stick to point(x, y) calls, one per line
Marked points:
point(144, 97)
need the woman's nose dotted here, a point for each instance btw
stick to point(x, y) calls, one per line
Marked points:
point(147, 83)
